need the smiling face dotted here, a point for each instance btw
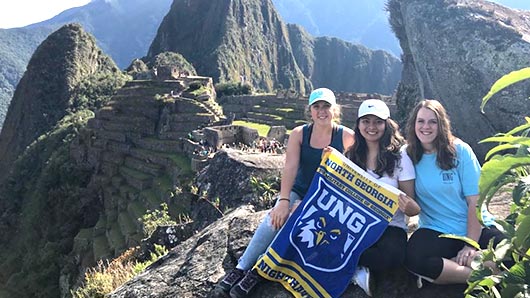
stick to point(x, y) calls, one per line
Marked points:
point(372, 128)
point(426, 128)
point(321, 112)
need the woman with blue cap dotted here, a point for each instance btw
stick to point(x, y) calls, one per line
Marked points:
point(303, 155)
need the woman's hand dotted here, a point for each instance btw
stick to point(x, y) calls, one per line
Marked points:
point(465, 256)
point(279, 214)
point(407, 205)
point(326, 149)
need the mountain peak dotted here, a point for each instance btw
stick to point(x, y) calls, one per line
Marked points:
point(232, 40)
point(44, 94)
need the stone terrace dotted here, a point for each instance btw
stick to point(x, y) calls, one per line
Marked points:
point(137, 144)
point(288, 110)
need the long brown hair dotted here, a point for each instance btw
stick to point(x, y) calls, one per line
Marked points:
point(389, 145)
point(444, 142)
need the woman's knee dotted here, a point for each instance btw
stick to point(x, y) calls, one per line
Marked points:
point(413, 260)
point(415, 256)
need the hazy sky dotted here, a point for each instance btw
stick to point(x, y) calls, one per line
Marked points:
point(19, 13)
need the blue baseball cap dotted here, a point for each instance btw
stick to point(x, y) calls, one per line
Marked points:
point(323, 94)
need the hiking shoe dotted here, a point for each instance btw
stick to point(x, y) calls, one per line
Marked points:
point(245, 286)
point(230, 280)
point(362, 279)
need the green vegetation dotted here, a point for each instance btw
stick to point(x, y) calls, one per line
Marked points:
point(16, 48)
point(262, 129)
point(106, 277)
point(223, 89)
point(153, 219)
point(286, 110)
point(266, 189)
point(507, 164)
point(95, 91)
point(182, 162)
point(46, 198)
point(172, 59)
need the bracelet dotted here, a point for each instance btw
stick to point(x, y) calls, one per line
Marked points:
point(284, 199)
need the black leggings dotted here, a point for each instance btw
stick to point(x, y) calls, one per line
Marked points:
point(425, 249)
point(388, 252)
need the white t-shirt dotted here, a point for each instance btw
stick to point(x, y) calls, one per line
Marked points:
point(403, 171)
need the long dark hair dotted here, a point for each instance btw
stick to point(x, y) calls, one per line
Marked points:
point(389, 144)
point(444, 142)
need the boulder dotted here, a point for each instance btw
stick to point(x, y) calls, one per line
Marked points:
point(453, 51)
point(192, 268)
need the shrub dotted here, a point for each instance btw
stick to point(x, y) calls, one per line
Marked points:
point(225, 89)
point(266, 189)
point(152, 219)
point(508, 163)
point(106, 277)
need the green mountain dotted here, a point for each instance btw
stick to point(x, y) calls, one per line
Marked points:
point(361, 21)
point(16, 48)
point(234, 40)
point(43, 200)
point(123, 29)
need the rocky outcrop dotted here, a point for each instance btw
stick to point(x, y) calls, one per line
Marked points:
point(235, 40)
point(453, 51)
point(193, 268)
point(45, 95)
point(235, 189)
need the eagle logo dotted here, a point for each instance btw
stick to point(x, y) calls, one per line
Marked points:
point(313, 233)
point(329, 229)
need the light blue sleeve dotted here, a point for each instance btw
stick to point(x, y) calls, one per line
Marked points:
point(468, 169)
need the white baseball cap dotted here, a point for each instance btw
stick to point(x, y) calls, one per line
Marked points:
point(323, 94)
point(374, 107)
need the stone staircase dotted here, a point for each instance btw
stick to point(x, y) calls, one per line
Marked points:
point(138, 147)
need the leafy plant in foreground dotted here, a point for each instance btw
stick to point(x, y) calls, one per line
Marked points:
point(507, 164)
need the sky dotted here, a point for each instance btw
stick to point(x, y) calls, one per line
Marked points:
point(19, 13)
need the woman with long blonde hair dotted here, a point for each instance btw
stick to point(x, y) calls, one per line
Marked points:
point(303, 155)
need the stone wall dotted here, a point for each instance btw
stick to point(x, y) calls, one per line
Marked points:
point(229, 134)
point(288, 109)
point(138, 147)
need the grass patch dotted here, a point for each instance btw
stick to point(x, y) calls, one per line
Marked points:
point(200, 91)
point(262, 129)
point(106, 277)
point(134, 173)
point(286, 110)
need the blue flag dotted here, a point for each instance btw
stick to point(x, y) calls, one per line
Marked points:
point(344, 212)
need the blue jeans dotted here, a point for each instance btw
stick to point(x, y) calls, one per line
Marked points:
point(262, 238)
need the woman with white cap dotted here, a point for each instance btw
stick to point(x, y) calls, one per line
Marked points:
point(378, 150)
point(303, 155)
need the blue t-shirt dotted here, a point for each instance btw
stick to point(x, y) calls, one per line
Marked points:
point(441, 194)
